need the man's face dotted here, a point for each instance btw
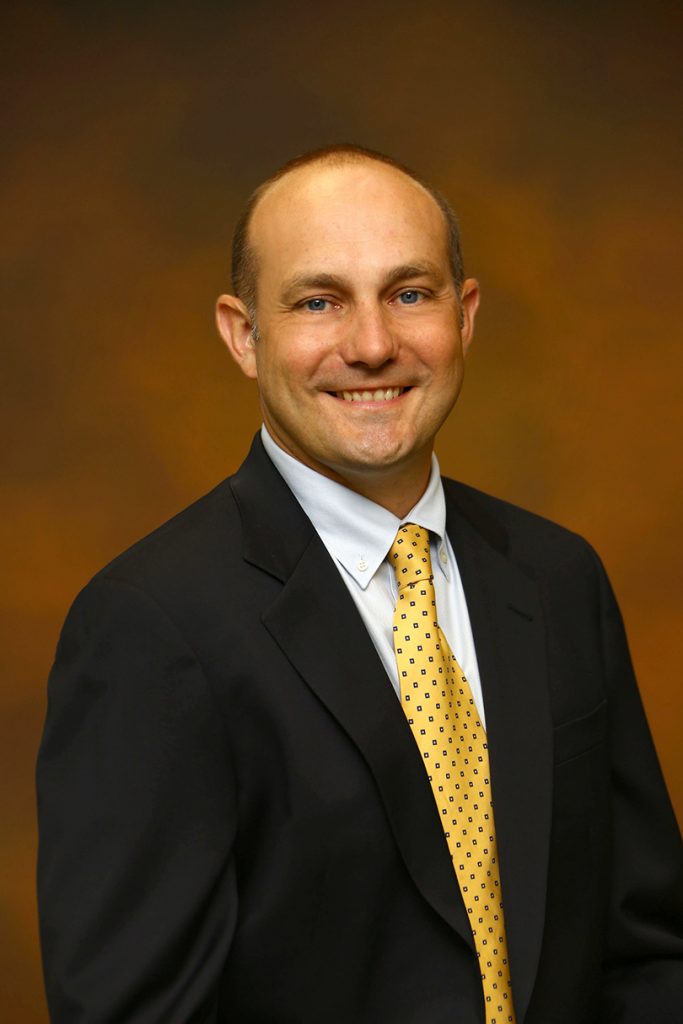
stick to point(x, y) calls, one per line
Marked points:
point(360, 354)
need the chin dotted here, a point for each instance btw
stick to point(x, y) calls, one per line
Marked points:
point(365, 460)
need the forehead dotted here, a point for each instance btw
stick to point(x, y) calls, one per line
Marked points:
point(357, 215)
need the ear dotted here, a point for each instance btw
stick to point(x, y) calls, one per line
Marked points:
point(234, 326)
point(469, 304)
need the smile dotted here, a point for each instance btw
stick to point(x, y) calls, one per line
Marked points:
point(378, 395)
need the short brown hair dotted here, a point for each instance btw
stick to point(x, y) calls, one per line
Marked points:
point(244, 268)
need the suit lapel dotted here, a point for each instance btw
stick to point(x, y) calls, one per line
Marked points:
point(317, 625)
point(508, 627)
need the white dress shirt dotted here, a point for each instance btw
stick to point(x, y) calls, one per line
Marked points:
point(358, 534)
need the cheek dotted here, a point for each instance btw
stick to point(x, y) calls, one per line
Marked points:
point(295, 351)
point(434, 336)
point(441, 353)
point(275, 353)
point(300, 362)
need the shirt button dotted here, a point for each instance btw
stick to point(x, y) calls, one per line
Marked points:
point(443, 557)
point(361, 565)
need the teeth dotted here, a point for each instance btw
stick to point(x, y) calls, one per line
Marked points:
point(380, 395)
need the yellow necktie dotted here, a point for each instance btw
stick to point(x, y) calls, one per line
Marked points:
point(438, 704)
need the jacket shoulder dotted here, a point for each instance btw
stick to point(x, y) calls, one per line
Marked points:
point(531, 540)
point(194, 544)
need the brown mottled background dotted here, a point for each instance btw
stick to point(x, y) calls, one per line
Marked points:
point(131, 135)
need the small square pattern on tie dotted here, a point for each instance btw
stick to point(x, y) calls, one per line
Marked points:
point(442, 715)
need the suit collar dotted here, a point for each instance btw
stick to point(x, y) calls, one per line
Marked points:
point(275, 528)
point(269, 510)
point(319, 629)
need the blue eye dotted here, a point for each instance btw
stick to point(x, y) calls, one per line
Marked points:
point(316, 305)
point(410, 297)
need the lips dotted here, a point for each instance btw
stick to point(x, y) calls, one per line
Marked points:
point(376, 395)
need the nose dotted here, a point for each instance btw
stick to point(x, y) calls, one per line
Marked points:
point(369, 338)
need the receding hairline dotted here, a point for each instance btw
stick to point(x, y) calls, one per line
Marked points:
point(332, 162)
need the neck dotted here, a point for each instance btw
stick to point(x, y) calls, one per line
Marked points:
point(396, 491)
point(397, 488)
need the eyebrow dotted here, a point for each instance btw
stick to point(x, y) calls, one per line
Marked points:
point(404, 272)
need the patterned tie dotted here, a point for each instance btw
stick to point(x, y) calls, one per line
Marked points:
point(438, 704)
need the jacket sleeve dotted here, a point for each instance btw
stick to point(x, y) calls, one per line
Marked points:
point(137, 817)
point(643, 966)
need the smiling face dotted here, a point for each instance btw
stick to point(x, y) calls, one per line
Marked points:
point(360, 354)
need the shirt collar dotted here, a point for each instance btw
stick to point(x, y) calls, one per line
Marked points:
point(356, 531)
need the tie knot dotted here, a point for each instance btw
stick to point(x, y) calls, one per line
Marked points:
point(409, 555)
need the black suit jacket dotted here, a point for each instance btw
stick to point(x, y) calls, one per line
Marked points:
point(235, 823)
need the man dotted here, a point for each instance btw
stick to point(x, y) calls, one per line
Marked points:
point(344, 741)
